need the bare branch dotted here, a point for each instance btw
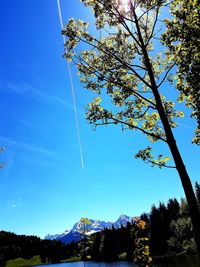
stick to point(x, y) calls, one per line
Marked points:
point(121, 20)
point(154, 163)
point(154, 25)
point(151, 8)
point(165, 76)
point(130, 126)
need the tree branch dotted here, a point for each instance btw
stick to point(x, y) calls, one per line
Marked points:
point(130, 126)
point(153, 28)
point(165, 76)
point(154, 163)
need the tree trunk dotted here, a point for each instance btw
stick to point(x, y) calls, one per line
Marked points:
point(185, 179)
point(188, 189)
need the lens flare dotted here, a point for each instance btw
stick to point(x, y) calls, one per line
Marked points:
point(125, 4)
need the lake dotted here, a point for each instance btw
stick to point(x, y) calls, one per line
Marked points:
point(180, 262)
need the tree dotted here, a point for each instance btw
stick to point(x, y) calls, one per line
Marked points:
point(157, 240)
point(183, 40)
point(96, 241)
point(165, 226)
point(173, 208)
point(141, 253)
point(108, 249)
point(84, 226)
point(182, 239)
point(122, 64)
point(197, 191)
point(184, 208)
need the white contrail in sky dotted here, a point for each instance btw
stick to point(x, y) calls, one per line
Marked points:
point(72, 89)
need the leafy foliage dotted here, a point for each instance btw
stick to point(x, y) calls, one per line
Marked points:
point(182, 239)
point(141, 253)
point(116, 64)
point(183, 40)
point(85, 242)
point(166, 230)
point(122, 68)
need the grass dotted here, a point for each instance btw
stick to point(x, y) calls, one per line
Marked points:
point(24, 262)
point(34, 261)
point(75, 258)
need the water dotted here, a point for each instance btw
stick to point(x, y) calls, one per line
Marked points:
point(189, 261)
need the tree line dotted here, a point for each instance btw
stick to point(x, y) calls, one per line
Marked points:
point(14, 246)
point(167, 231)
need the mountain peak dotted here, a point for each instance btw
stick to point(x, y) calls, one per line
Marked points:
point(123, 216)
point(95, 226)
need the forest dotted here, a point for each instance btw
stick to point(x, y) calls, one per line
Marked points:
point(14, 246)
point(167, 232)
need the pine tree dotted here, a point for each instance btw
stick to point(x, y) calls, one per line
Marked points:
point(173, 208)
point(197, 187)
point(156, 241)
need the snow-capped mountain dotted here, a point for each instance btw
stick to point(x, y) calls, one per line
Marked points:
point(123, 220)
point(56, 236)
point(95, 226)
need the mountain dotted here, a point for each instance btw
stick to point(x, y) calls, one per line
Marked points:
point(122, 221)
point(56, 236)
point(96, 225)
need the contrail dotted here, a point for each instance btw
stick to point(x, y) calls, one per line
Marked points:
point(72, 89)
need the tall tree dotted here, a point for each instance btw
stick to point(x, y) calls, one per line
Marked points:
point(122, 63)
point(184, 209)
point(183, 40)
point(84, 227)
point(181, 239)
point(141, 253)
point(96, 242)
point(157, 240)
point(173, 208)
point(197, 189)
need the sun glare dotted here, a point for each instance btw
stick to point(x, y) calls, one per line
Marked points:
point(125, 3)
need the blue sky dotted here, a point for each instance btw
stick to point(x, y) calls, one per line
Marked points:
point(43, 188)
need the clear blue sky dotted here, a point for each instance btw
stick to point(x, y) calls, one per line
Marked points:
point(43, 188)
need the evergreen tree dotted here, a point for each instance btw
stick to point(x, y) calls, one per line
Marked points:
point(144, 217)
point(129, 241)
point(197, 187)
point(155, 232)
point(184, 209)
point(173, 208)
point(158, 232)
point(165, 226)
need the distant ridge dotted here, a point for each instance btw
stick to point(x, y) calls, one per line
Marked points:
point(96, 226)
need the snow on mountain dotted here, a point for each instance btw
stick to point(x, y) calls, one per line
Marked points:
point(56, 236)
point(96, 225)
point(52, 237)
point(122, 221)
